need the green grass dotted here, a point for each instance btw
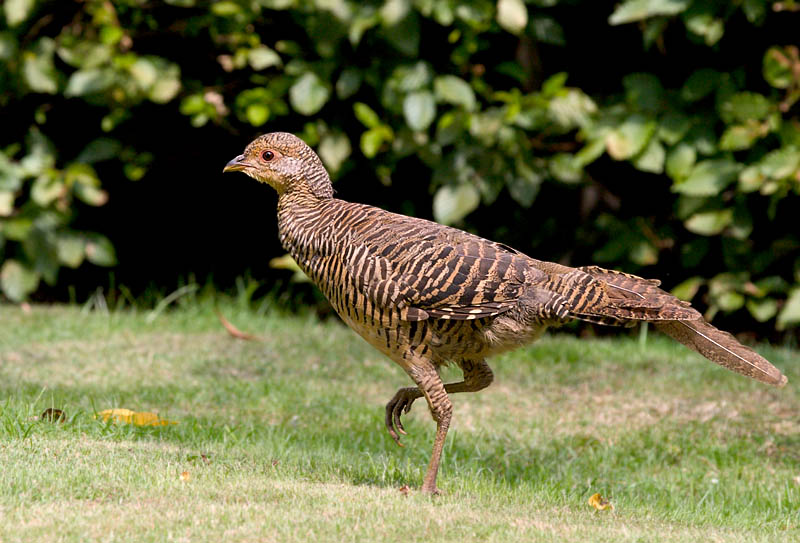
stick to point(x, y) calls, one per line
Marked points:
point(283, 439)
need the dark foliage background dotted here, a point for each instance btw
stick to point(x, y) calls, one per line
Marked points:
point(656, 136)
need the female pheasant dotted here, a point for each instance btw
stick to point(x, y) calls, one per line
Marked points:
point(426, 294)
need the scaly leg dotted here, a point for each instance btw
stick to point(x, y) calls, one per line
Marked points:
point(428, 381)
point(477, 376)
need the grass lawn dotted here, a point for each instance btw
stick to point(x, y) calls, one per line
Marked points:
point(283, 439)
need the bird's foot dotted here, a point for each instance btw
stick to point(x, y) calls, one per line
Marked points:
point(432, 490)
point(399, 404)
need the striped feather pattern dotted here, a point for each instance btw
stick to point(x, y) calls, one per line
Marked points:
point(426, 294)
point(413, 287)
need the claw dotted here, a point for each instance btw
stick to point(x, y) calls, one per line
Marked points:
point(399, 404)
point(396, 412)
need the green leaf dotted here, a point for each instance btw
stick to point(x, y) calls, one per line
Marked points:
point(652, 158)
point(451, 203)
point(636, 10)
point(17, 228)
point(17, 11)
point(709, 223)
point(702, 137)
point(366, 115)
point(744, 106)
point(553, 84)
point(70, 249)
point(777, 67)
point(754, 10)
point(780, 163)
point(454, 90)
point(374, 138)
point(524, 187)
point(751, 179)
point(419, 109)
point(700, 84)
point(512, 15)
point(262, 57)
point(565, 168)
point(708, 178)
point(707, 26)
point(6, 203)
point(8, 46)
point(38, 68)
point(99, 150)
point(89, 194)
point(739, 137)
point(643, 253)
point(308, 94)
point(46, 189)
point(166, 86)
point(789, 134)
point(762, 310)
point(411, 77)
point(41, 155)
point(729, 301)
point(672, 127)
point(348, 83)
point(334, 148)
point(144, 71)
point(89, 81)
point(393, 11)
point(688, 288)
point(790, 314)
point(571, 108)
point(100, 251)
point(17, 280)
point(404, 35)
point(225, 8)
point(257, 114)
point(547, 30)
point(644, 91)
point(590, 152)
point(630, 138)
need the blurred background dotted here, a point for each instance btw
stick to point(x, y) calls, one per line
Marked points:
point(661, 137)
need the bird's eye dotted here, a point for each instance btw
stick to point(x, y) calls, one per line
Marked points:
point(266, 156)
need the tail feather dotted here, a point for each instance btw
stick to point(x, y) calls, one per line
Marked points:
point(723, 349)
point(616, 298)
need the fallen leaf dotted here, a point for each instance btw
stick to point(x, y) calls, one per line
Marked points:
point(235, 332)
point(601, 504)
point(275, 463)
point(53, 415)
point(404, 490)
point(126, 416)
point(185, 476)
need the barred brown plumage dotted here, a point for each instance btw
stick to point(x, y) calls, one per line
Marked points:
point(427, 294)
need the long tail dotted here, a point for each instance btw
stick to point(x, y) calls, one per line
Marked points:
point(618, 298)
point(723, 349)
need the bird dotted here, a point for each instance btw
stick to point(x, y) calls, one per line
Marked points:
point(428, 295)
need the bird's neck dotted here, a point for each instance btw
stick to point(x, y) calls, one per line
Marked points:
point(301, 217)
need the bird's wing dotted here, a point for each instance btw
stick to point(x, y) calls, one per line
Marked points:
point(440, 273)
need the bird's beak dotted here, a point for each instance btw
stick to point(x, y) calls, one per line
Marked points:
point(236, 165)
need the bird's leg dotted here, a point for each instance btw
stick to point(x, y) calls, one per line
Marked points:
point(477, 376)
point(428, 381)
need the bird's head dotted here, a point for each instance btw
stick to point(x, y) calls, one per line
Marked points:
point(285, 162)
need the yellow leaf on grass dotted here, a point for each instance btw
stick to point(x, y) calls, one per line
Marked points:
point(126, 416)
point(185, 476)
point(600, 503)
